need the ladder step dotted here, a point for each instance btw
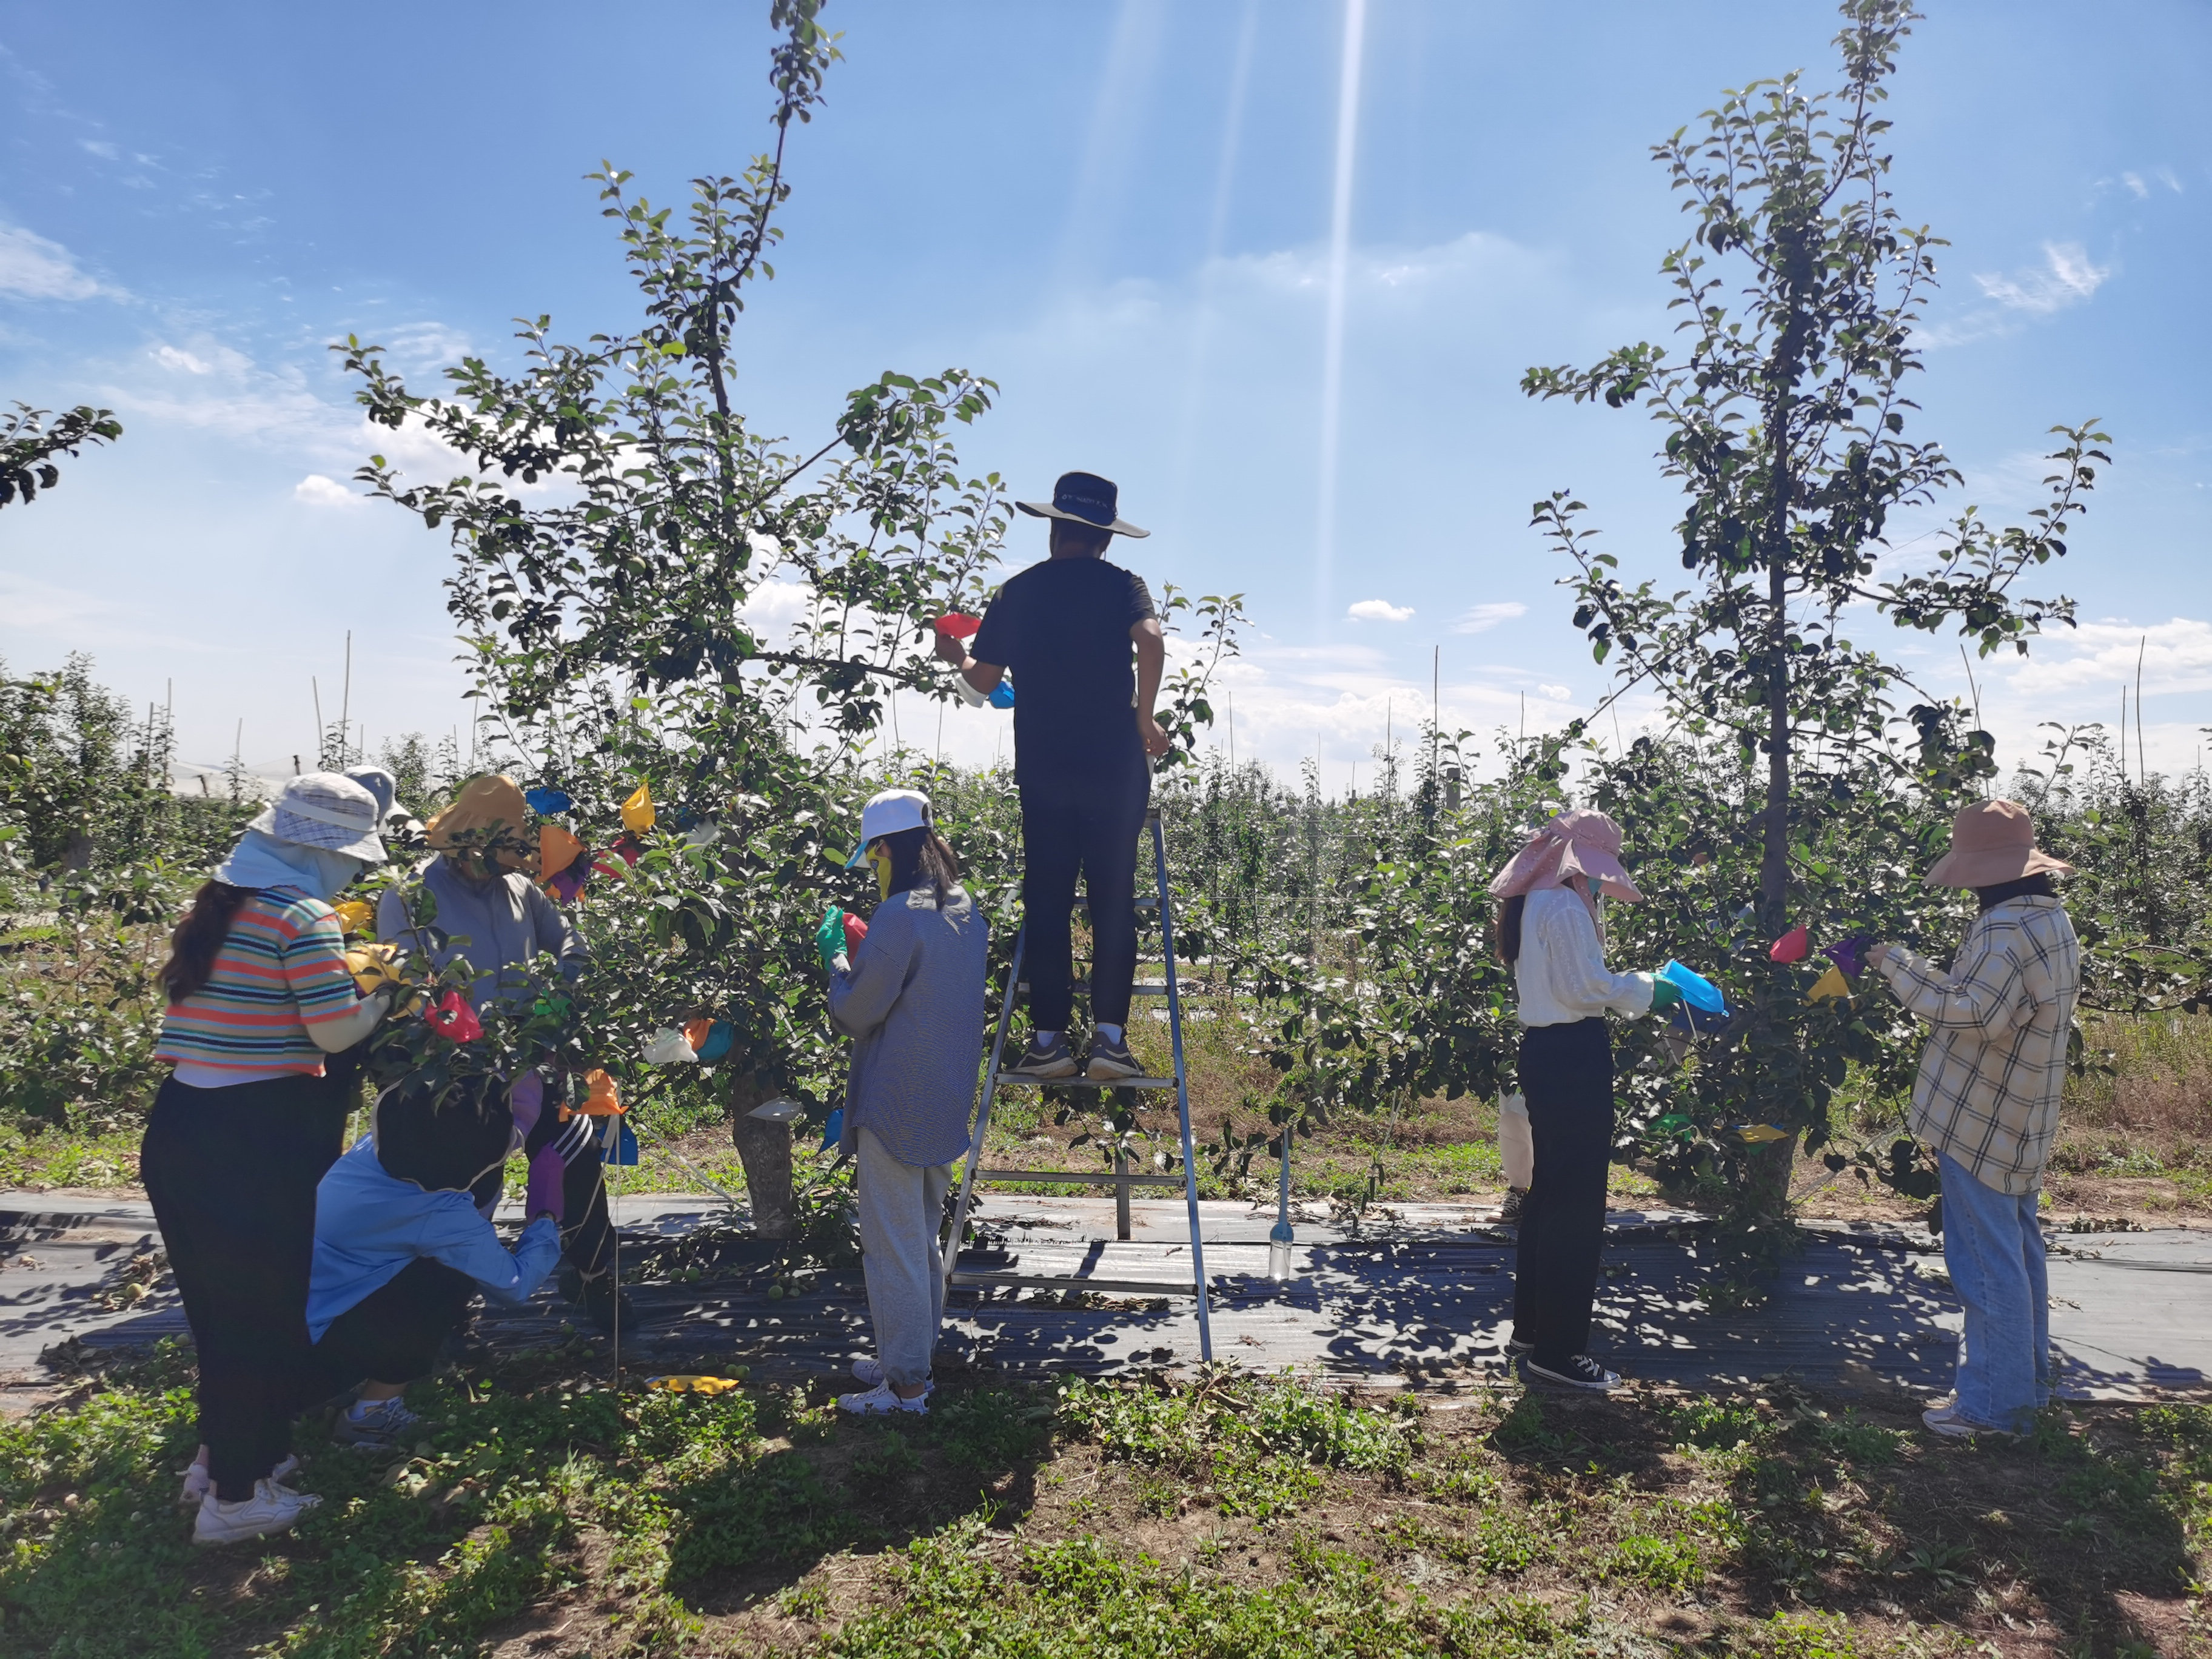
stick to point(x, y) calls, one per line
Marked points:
point(1006, 1082)
point(1045, 1281)
point(1142, 987)
point(1092, 1177)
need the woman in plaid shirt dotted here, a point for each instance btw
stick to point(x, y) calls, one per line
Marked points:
point(1986, 1101)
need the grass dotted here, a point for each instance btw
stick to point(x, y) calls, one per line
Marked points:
point(1231, 1513)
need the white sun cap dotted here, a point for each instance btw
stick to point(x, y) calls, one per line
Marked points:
point(887, 814)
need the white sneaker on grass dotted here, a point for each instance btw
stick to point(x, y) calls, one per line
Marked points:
point(882, 1401)
point(271, 1508)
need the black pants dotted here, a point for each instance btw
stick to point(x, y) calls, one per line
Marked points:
point(232, 1174)
point(1087, 823)
point(391, 1334)
point(1566, 1073)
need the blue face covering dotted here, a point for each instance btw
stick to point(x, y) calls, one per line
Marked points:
point(260, 860)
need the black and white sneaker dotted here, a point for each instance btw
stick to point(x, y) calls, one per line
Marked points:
point(1043, 1060)
point(1581, 1373)
point(1111, 1058)
point(1509, 1212)
point(1518, 1348)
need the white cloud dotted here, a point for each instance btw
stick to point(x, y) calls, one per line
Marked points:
point(33, 268)
point(1480, 619)
point(2067, 278)
point(774, 608)
point(2134, 184)
point(1380, 611)
point(316, 491)
point(2176, 656)
point(100, 148)
point(171, 356)
point(1556, 693)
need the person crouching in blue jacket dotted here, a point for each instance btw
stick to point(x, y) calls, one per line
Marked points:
point(401, 1246)
point(911, 996)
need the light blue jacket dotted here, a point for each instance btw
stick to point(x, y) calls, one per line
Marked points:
point(369, 1225)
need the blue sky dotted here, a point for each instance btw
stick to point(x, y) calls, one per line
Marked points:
point(1121, 211)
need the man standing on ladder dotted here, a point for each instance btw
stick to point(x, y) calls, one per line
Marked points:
point(1082, 731)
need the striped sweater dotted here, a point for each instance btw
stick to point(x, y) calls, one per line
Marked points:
point(281, 970)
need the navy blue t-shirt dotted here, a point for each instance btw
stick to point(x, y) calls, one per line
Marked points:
point(1061, 628)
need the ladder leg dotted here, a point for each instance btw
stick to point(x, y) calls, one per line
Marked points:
point(1121, 1195)
point(1183, 1096)
point(952, 1251)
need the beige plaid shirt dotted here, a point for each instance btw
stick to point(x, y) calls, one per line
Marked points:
point(1988, 1088)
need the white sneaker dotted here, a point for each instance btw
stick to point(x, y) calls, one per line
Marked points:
point(271, 1508)
point(871, 1371)
point(881, 1401)
point(199, 1483)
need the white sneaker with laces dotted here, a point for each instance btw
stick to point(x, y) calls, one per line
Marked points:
point(882, 1400)
point(271, 1508)
point(871, 1371)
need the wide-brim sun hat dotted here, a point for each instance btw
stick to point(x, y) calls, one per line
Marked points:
point(324, 810)
point(1993, 843)
point(1579, 843)
point(1084, 498)
point(489, 813)
point(887, 814)
point(382, 785)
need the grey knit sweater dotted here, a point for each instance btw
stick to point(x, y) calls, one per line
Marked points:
point(913, 1001)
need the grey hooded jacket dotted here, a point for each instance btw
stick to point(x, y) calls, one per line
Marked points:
point(913, 1001)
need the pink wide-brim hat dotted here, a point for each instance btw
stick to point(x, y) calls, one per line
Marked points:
point(1580, 843)
point(1991, 843)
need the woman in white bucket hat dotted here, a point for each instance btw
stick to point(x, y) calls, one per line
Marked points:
point(245, 1124)
point(911, 997)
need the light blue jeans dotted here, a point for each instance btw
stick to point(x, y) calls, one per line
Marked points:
point(1994, 1250)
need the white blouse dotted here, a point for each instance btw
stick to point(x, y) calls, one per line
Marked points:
point(1561, 976)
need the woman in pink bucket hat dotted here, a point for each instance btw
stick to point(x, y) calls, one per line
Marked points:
point(1986, 1101)
point(1551, 932)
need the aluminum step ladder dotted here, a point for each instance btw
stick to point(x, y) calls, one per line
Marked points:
point(1119, 1178)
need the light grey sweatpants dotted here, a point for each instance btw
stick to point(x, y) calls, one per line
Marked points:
point(901, 1207)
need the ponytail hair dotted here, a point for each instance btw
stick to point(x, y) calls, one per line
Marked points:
point(199, 936)
point(1509, 928)
point(922, 857)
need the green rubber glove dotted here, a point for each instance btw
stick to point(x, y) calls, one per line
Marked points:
point(1665, 995)
point(830, 938)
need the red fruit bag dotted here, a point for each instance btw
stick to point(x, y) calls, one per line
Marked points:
point(1791, 946)
point(855, 931)
point(454, 1020)
point(954, 626)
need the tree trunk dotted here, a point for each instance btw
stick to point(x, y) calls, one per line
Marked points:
point(1774, 860)
point(764, 1149)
